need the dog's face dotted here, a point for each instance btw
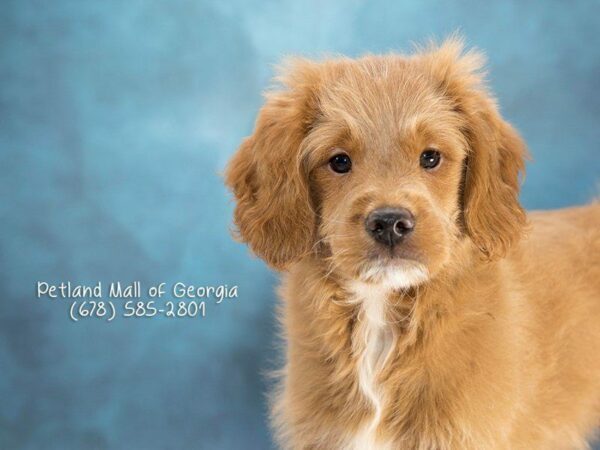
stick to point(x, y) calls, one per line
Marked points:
point(385, 160)
point(381, 166)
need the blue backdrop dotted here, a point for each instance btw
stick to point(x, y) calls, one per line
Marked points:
point(115, 121)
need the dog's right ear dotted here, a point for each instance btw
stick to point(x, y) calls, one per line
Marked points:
point(273, 213)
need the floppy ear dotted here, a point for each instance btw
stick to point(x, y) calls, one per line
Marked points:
point(273, 212)
point(493, 217)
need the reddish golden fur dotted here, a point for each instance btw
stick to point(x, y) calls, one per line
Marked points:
point(491, 325)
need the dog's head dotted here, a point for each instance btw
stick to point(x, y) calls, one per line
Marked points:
point(383, 165)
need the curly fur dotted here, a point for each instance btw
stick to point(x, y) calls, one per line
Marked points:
point(483, 331)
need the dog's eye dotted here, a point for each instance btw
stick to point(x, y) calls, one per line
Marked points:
point(340, 163)
point(430, 159)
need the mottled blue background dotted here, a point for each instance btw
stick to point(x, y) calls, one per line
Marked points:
point(115, 120)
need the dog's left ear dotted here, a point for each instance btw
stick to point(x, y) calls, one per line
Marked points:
point(493, 217)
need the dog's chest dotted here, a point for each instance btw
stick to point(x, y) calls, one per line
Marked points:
point(373, 342)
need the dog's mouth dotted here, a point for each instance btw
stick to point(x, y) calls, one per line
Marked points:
point(395, 272)
point(394, 256)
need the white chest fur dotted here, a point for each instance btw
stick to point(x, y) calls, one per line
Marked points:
point(373, 344)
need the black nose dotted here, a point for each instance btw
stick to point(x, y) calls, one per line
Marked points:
point(390, 225)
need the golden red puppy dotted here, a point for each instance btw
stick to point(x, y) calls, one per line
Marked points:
point(421, 306)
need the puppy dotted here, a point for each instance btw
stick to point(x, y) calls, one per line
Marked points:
point(421, 306)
